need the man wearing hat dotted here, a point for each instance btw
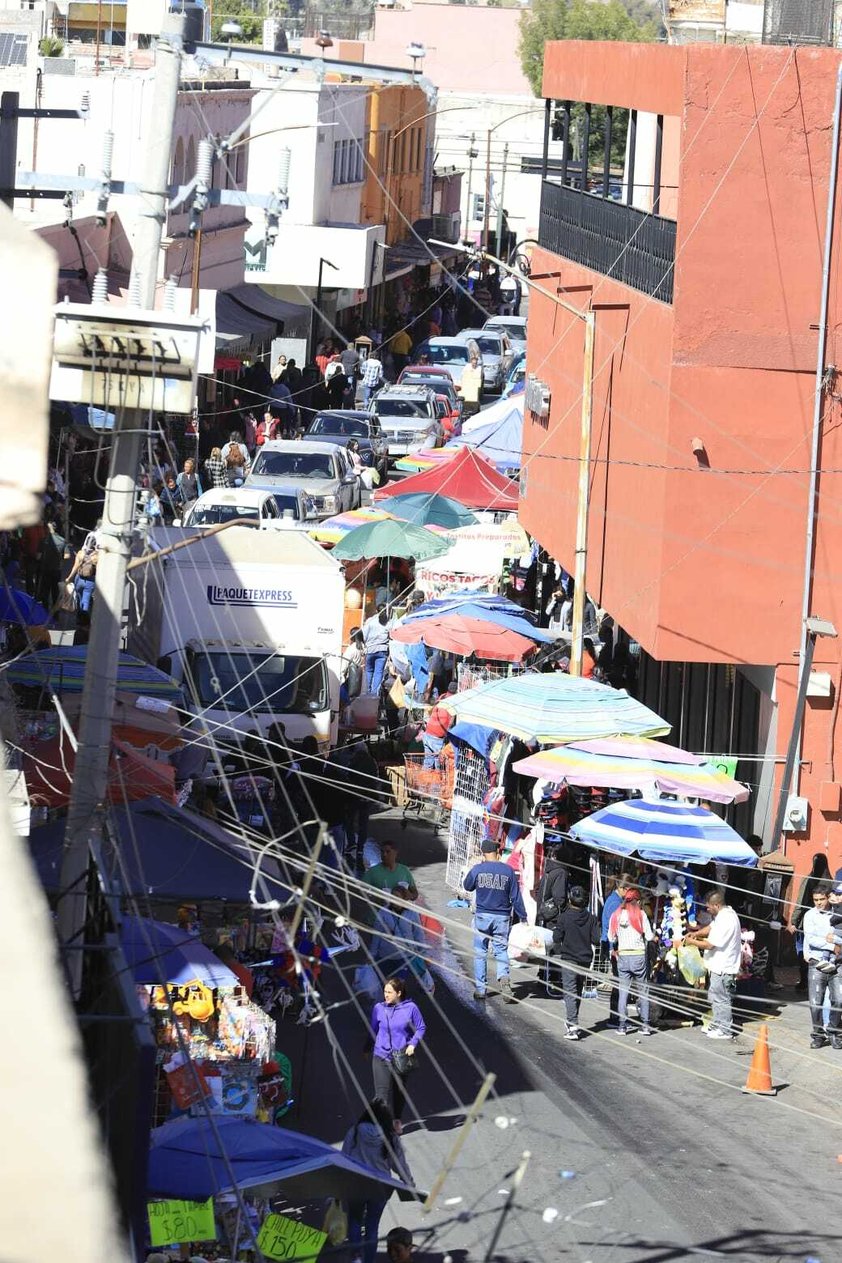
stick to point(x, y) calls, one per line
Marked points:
point(497, 899)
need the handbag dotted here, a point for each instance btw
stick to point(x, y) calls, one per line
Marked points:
point(402, 1062)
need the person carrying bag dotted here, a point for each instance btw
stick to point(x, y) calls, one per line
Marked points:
point(398, 1028)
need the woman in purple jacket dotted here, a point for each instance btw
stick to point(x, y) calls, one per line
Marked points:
point(398, 1028)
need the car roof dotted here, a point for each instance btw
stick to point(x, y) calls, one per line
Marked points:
point(301, 445)
point(405, 391)
point(472, 333)
point(233, 495)
point(520, 321)
point(444, 341)
point(357, 414)
point(435, 370)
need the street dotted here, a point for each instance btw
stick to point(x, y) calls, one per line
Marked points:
point(639, 1150)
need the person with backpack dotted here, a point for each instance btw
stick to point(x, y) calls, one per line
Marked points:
point(82, 580)
point(236, 460)
point(575, 936)
point(630, 934)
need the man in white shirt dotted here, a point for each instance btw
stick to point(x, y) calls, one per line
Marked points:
point(818, 954)
point(722, 944)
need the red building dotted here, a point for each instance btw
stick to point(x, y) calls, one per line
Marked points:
point(705, 378)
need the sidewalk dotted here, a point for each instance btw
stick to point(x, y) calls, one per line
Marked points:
point(809, 1082)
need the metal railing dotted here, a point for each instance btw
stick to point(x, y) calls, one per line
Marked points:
point(609, 237)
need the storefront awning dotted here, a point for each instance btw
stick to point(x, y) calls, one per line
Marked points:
point(248, 314)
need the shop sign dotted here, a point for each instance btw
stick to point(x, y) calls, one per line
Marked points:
point(434, 583)
point(286, 1239)
point(174, 1222)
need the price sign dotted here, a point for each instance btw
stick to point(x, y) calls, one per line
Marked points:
point(286, 1239)
point(172, 1222)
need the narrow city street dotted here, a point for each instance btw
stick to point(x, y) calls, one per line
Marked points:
point(644, 1151)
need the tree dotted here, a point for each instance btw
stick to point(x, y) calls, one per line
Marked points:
point(249, 16)
point(576, 19)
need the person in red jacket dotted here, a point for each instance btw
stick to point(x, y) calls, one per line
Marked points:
point(432, 738)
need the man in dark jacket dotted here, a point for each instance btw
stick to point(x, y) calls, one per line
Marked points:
point(497, 900)
point(575, 936)
point(553, 890)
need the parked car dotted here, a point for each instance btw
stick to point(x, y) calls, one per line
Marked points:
point(439, 379)
point(449, 353)
point(408, 416)
point(514, 326)
point(495, 353)
point(283, 509)
point(339, 425)
point(322, 470)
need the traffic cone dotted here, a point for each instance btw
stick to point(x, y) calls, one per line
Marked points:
point(759, 1081)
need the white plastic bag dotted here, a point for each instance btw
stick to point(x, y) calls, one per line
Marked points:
point(527, 942)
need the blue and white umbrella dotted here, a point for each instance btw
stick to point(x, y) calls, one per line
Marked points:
point(664, 831)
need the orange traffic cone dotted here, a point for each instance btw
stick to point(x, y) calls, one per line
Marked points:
point(759, 1081)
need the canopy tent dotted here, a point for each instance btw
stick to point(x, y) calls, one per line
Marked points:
point(500, 439)
point(62, 670)
point(486, 606)
point(158, 953)
point(468, 478)
point(195, 1159)
point(461, 634)
point(578, 767)
point(664, 832)
point(19, 607)
point(554, 708)
point(48, 768)
point(168, 853)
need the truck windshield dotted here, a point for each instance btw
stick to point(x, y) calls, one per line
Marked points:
point(401, 408)
point(251, 682)
point(211, 514)
point(341, 426)
point(293, 465)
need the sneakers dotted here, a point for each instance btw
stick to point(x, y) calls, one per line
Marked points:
point(819, 1041)
point(506, 990)
point(646, 1030)
point(572, 1032)
point(621, 1030)
point(479, 995)
point(836, 1042)
point(713, 1033)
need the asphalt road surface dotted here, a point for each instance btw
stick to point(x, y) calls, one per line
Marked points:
point(639, 1149)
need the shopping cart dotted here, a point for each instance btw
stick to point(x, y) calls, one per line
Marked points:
point(428, 789)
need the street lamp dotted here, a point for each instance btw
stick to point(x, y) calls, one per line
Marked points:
point(316, 311)
point(416, 52)
point(487, 207)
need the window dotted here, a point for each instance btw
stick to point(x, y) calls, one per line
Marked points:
point(478, 208)
point(385, 151)
point(337, 162)
point(178, 163)
point(240, 166)
point(347, 161)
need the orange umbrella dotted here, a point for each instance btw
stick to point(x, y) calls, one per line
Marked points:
point(48, 769)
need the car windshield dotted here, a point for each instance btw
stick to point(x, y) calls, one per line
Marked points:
point(293, 465)
point(401, 408)
point(346, 427)
point(448, 354)
point(213, 514)
point(439, 384)
point(244, 683)
point(489, 345)
point(516, 331)
point(288, 502)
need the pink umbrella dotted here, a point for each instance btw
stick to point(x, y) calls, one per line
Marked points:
point(636, 748)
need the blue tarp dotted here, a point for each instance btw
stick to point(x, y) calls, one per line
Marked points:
point(500, 439)
point(193, 1159)
point(157, 953)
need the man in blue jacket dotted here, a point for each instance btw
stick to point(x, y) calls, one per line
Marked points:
point(497, 899)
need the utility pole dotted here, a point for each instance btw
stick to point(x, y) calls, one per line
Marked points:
point(90, 779)
point(498, 244)
point(486, 210)
point(583, 500)
point(472, 153)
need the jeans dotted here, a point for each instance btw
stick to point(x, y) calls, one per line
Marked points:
point(614, 998)
point(84, 593)
point(633, 968)
point(720, 989)
point(818, 986)
point(490, 927)
point(572, 982)
point(375, 665)
point(388, 1085)
point(432, 749)
point(364, 1224)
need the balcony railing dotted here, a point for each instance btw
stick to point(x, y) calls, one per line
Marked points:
point(609, 237)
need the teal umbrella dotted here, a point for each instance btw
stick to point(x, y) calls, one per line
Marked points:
point(390, 538)
point(428, 508)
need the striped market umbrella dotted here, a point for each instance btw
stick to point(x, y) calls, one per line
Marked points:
point(664, 832)
point(332, 529)
point(578, 767)
point(554, 708)
point(62, 670)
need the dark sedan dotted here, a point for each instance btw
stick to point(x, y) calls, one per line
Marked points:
point(339, 425)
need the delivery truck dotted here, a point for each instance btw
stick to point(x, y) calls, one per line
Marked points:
point(250, 622)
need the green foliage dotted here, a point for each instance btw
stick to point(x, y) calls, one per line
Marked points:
point(51, 46)
point(249, 15)
point(576, 19)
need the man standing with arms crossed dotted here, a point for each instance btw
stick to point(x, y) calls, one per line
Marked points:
point(497, 900)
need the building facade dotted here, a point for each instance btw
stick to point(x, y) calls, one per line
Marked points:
point(704, 387)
